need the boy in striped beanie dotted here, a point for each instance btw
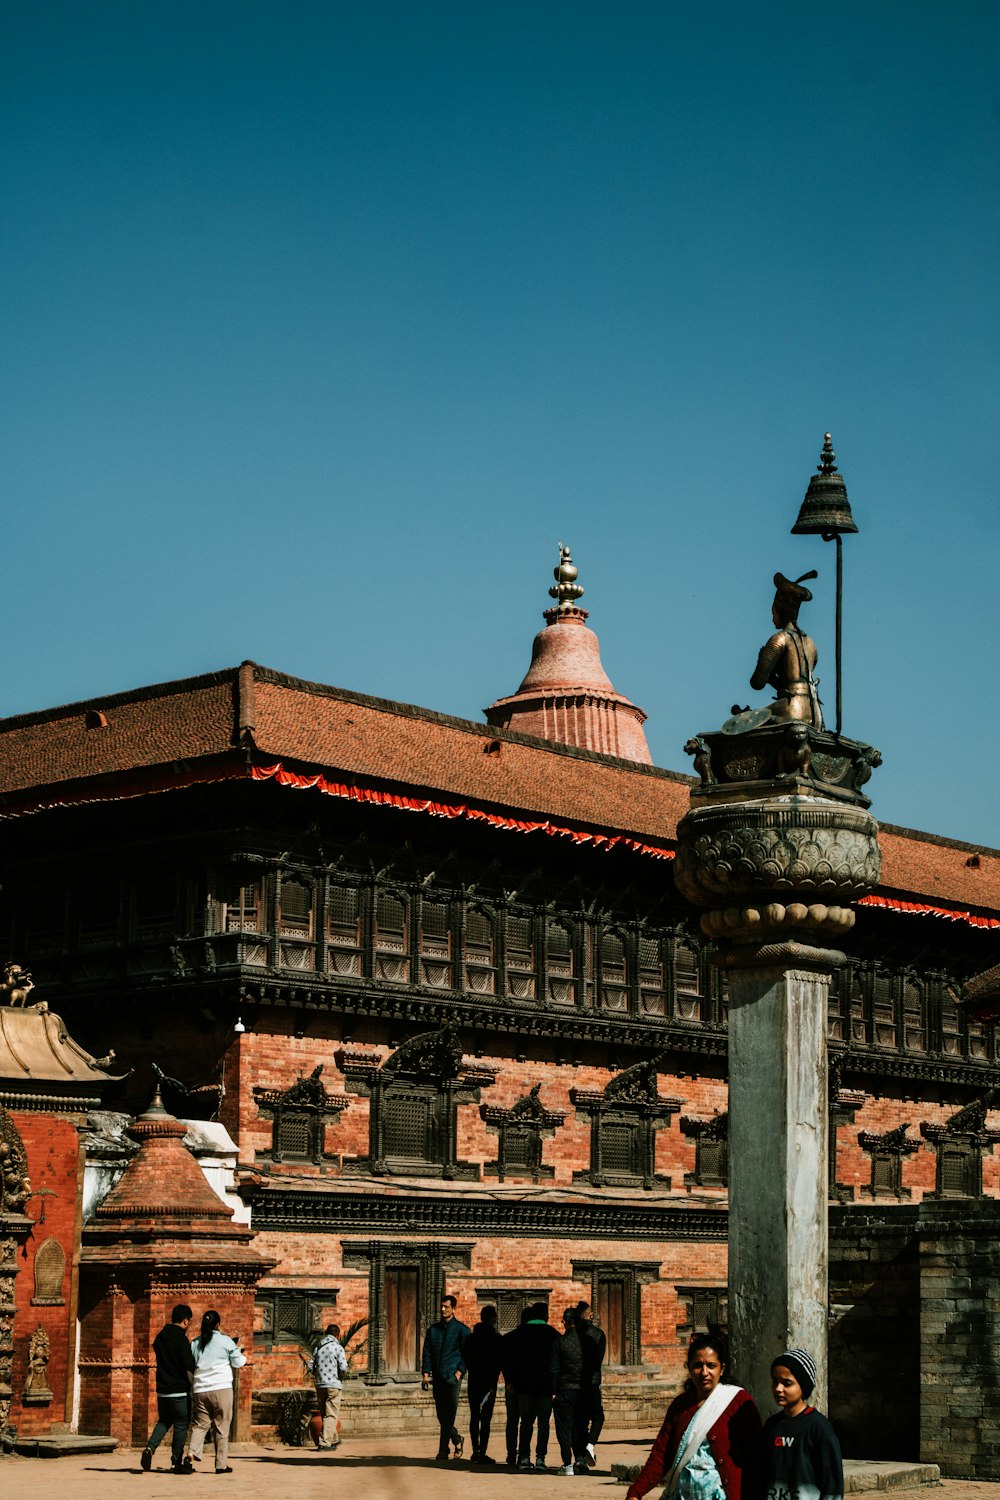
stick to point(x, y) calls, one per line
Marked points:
point(801, 1457)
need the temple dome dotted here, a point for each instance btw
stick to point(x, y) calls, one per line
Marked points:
point(566, 695)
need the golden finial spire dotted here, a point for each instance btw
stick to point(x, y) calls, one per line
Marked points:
point(567, 590)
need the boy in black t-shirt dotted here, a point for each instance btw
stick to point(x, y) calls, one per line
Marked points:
point(801, 1458)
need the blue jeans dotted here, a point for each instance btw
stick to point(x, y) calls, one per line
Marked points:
point(175, 1412)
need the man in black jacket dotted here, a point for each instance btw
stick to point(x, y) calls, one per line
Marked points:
point(533, 1382)
point(567, 1373)
point(174, 1367)
point(591, 1409)
point(442, 1368)
point(482, 1358)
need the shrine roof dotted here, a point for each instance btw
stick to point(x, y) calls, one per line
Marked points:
point(36, 1048)
point(251, 720)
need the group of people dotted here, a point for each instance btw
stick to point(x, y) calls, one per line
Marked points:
point(546, 1375)
point(712, 1445)
point(194, 1391)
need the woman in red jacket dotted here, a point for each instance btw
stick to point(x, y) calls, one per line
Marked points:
point(707, 1448)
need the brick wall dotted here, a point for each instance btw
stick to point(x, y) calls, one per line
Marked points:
point(55, 1166)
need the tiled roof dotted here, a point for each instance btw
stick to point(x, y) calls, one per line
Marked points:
point(358, 739)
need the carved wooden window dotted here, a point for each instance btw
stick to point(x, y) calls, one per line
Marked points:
point(559, 963)
point(480, 954)
point(959, 1170)
point(951, 1031)
point(706, 1307)
point(687, 981)
point(392, 938)
point(836, 1017)
point(407, 1133)
point(511, 1302)
point(977, 1039)
point(620, 1148)
point(614, 993)
point(652, 990)
point(520, 946)
point(296, 1135)
point(295, 909)
point(155, 907)
point(292, 1317)
point(343, 929)
point(435, 944)
point(882, 1009)
point(98, 914)
point(712, 1160)
point(914, 1025)
point(241, 906)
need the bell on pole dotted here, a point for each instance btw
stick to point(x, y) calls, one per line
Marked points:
point(826, 510)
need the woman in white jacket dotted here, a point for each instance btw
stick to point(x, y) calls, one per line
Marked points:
point(216, 1357)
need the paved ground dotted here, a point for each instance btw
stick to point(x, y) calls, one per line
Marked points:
point(357, 1471)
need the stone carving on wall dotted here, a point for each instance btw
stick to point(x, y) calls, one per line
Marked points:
point(15, 1186)
point(36, 1387)
point(50, 1268)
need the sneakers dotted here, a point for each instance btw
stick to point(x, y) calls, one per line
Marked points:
point(185, 1466)
point(590, 1456)
point(540, 1465)
point(524, 1463)
point(146, 1460)
point(566, 1469)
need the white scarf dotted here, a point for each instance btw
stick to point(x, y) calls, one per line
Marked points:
point(704, 1419)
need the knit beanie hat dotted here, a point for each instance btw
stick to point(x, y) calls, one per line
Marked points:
point(802, 1366)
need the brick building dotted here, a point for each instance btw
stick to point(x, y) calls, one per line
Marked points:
point(435, 980)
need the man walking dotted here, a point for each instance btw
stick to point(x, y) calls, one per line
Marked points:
point(442, 1368)
point(328, 1364)
point(174, 1368)
point(567, 1377)
point(591, 1417)
point(533, 1380)
point(482, 1358)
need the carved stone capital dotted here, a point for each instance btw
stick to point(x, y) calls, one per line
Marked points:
point(775, 864)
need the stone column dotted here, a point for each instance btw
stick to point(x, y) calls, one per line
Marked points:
point(777, 1169)
point(771, 865)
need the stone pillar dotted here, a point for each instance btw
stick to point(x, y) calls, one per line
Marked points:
point(777, 1169)
point(776, 856)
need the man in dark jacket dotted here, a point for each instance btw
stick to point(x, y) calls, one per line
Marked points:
point(174, 1368)
point(591, 1410)
point(533, 1380)
point(509, 1346)
point(567, 1374)
point(442, 1367)
point(482, 1358)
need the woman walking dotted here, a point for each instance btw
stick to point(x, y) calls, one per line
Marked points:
point(708, 1447)
point(216, 1357)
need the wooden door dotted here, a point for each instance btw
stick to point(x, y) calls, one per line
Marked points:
point(402, 1356)
point(611, 1311)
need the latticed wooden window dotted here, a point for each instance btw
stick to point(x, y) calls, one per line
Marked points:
point(614, 994)
point(914, 1030)
point(435, 944)
point(520, 957)
point(296, 909)
point(651, 987)
point(977, 1039)
point(687, 980)
point(343, 929)
point(951, 1031)
point(887, 1174)
point(294, 1135)
point(619, 1143)
point(392, 938)
point(479, 951)
point(958, 1171)
point(712, 1164)
point(406, 1120)
point(559, 960)
point(241, 907)
point(517, 1143)
point(882, 1009)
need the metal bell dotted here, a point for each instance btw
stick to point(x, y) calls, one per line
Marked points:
point(826, 510)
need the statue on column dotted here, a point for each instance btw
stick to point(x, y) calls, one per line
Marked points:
point(787, 661)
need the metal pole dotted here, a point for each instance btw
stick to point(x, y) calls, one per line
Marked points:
point(840, 600)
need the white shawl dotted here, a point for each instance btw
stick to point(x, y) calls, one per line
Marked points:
point(704, 1419)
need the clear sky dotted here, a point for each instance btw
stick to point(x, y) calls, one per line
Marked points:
point(323, 323)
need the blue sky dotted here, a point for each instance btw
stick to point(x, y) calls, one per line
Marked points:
point(324, 323)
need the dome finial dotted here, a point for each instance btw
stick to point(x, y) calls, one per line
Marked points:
point(827, 459)
point(567, 590)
